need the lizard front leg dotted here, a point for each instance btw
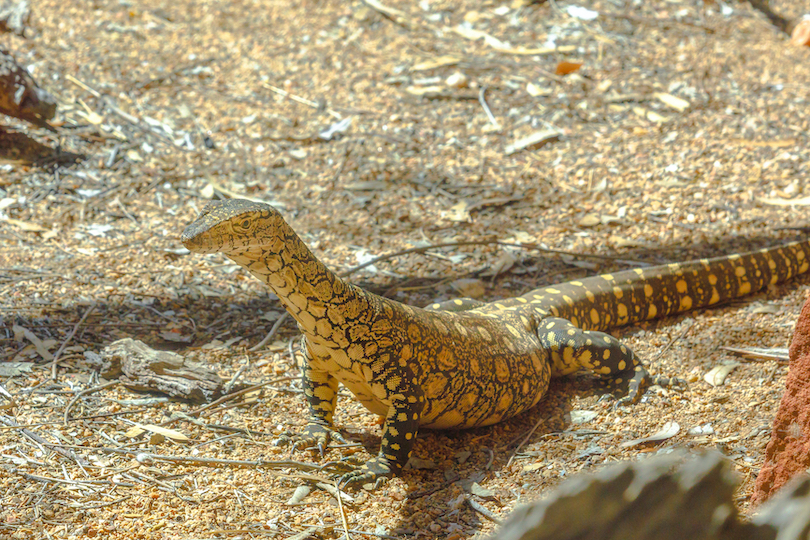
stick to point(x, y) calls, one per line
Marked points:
point(320, 390)
point(398, 436)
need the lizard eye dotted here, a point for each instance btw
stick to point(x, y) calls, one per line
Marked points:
point(243, 225)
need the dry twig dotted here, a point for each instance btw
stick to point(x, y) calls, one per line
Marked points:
point(68, 338)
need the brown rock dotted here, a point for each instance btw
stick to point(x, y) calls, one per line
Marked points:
point(788, 452)
point(659, 498)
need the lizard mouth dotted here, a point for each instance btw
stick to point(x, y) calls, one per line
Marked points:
point(194, 244)
point(198, 241)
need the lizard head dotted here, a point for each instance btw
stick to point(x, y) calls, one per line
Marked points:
point(235, 227)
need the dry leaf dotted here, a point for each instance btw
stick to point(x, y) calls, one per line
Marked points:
point(208, 191)
point(300, 493)
point(473, 16)
point(652, 116)
point(535, 140)
point(472, 288)
point(475, 35)
point(506, 261)
point(535, 90)
point(428, 91)
point(457, 80)
point(777, 143)
point(766, 309)
point(669, 100)
point(777, 201)
point(459, 212)
point(541, 50)
point(14, 369)
point(669, 430)
point(25, 225)
point(235, 195)
point(40, 345)
point(175, 336)
point(90, 115)
point(717, 375)
point(566, 68)
point(581, 417)
point(138, 428)
point(391, 12)
point(433, 63)
point(590, 220)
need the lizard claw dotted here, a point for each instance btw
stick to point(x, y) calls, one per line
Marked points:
point(375, 471)
point(314, 437)
point(641, 380)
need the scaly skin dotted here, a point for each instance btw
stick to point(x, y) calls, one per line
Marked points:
point(442, 368)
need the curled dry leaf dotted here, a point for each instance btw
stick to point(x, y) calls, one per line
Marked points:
point(506, 261)
point(301, 493)
point(457, 79)
point(717, 375)
point(652, 116)
point(582, 417)
point(535, 90)
point(459, 212)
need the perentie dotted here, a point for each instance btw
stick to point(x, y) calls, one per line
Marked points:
point(461, 364)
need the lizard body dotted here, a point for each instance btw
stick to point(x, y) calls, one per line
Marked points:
point(444, 368)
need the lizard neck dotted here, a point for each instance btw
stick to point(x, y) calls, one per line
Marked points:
point(306, 287)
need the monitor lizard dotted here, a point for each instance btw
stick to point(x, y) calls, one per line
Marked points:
point(461, 364)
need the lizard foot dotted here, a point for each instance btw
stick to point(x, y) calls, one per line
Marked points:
point(641, 380)
point(314, 437)
point(375, 471)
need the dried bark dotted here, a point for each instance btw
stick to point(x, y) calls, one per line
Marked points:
point(144, 369)
point(21, 97)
